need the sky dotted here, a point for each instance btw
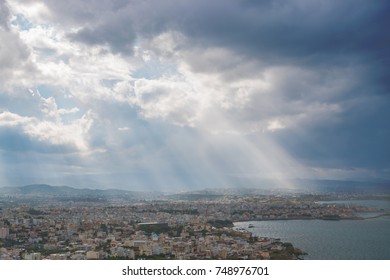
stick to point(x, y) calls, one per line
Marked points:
point(182, 95)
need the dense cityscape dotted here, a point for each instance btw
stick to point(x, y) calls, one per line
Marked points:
point(201, 228)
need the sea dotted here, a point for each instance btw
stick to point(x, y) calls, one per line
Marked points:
point(367, 239)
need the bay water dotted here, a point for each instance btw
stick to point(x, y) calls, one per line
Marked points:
point(367, 239)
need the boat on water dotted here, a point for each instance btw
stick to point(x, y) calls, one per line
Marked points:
point(331, 217)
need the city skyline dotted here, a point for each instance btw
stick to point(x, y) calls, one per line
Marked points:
point(160, 95)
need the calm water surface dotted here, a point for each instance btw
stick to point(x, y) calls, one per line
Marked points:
point(332, 240)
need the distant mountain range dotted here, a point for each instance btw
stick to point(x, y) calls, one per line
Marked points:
point(43, 190)
point(301, 186)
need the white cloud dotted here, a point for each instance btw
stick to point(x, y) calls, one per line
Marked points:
point(35, 11)
point(125, 62)
point(210, 88)
point(218, 90)
point(168, 98)
point(125, 128)
point(73, 134)
point(55, 133)
point(275, 125)
point(68, 111)
point(11, 119)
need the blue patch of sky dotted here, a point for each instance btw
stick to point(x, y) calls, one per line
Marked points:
point(14, 141)
point(62, 101)
point(50, 52)
point(45, 91)
point(19, 103)
point(109, 83)
point(22, 22)
point(154, 69)
point(63, 58)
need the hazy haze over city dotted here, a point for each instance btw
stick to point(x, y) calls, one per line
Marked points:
point(179, 94)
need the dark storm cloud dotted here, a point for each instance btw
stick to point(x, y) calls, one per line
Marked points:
point(312, 34)
point(282, 30)
point(86, 11)
point(327, 34)
point(119, 37)
point(347, 38)
point(358, 137)
point(312, 76)
point(288, 29)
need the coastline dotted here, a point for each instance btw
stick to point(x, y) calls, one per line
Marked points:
point(313, 218)
point(328, 240)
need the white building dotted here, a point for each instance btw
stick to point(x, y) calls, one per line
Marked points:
point(32, 256)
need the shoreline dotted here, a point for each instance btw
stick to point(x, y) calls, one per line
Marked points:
point(315, 240)
point(357, 218)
